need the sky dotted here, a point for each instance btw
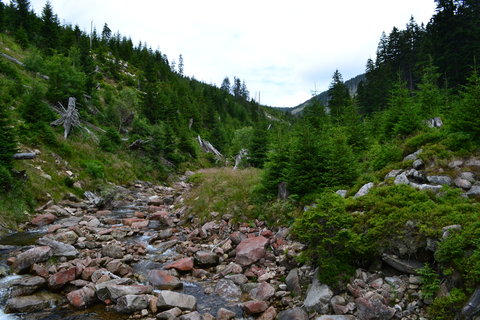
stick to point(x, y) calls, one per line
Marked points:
point(283, 50)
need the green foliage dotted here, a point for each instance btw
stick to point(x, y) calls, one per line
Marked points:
point(326, 229)
point(93, 168)
point(34, 110)
point(466, 114)
point(381, 155)
point(430, 282)
point(447, 307)
point(8, 145)
point(65, 79)
point(110, 140)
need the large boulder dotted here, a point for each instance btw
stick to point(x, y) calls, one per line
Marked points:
point(250, 250)
point(162, 280)
point(34, 255)
point(170, 299)
point(318, 296)
point(440, 180)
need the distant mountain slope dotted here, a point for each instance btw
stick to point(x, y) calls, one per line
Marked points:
point(351, 84)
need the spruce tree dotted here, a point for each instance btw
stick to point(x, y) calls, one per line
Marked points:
point(8, 144)
point(338, 96)
point(258, 146)
point(49, 29)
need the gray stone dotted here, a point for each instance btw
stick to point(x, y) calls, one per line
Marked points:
point(293, 314)
point(293, 282)
point(113, 291)
point(435, 122)
point(405, 266)
point(401, 179)
point(455, 164)
point(131, 303)
point(26, 286)
point(469, 176)
point(60, 249)
point(263, 292)
point(205, 259)
point(27, 304)
point(318, 296)
point(474, 192)
point(112, 251)
point(225, 314)
point(472, 307)
point(416, 175)
point(336, 317)
point(440, 180)
point(239, 279)
point(462, 183)
point(417, 164)
point(169, 299)
point(69, 237)
point(427, 187)
point(364, 190)
point(393, 174)
point(228, 289)
point(446, 231)
point(171, 314)
point(473, 163)
point(342, 193)
point(413, 156)
point(34, 255)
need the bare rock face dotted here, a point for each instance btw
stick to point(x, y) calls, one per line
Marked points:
point(26, 259)
point(250, 250)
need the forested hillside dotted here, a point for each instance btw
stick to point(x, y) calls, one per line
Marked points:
point(139, 115)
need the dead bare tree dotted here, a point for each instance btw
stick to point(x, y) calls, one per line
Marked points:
point(69, 117)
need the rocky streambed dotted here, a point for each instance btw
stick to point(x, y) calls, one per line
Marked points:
point(147, 258)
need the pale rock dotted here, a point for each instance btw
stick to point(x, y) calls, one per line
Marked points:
point(364, 190)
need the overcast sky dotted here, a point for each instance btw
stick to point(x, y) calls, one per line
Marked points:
point(282, 49)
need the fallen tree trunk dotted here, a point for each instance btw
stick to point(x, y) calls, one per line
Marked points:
point(209, 148)
point(24, 156)
point(6, 56)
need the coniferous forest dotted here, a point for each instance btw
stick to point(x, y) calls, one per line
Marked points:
point(140, 118)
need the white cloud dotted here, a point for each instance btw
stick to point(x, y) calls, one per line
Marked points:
point(280, 48)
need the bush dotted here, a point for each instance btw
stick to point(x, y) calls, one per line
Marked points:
point(326, 229)
point(93, 168)
point(381, 155)
point(110, 140)
point(6, 179)
point(448, 307)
